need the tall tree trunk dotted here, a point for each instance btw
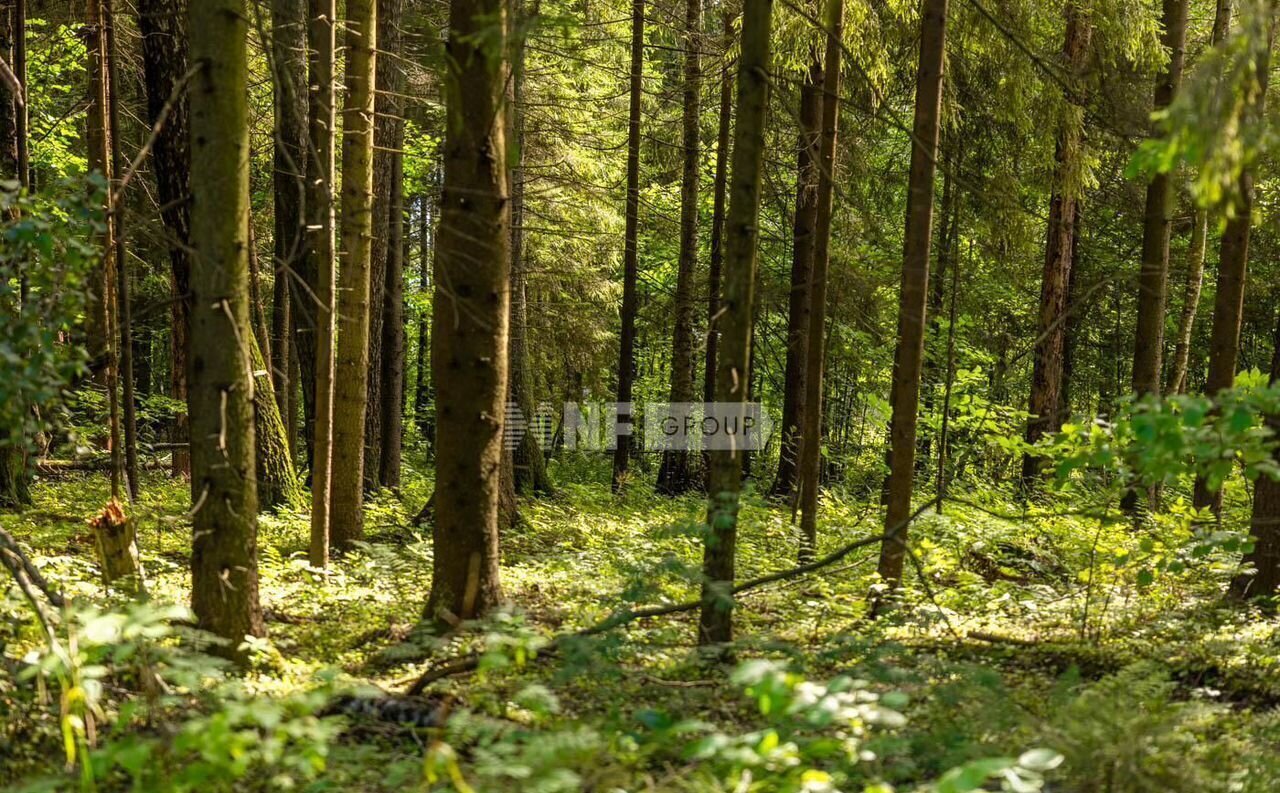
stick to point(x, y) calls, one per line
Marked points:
point(163, 25)
point(1154, 273)
point(914, 290)
point(675, 474)
point(315, 314)
point(124, 314)
point(352, 359)
point(470, 312)
point(277, 478)
point(289, 162)
point(224, 555)
point(422, 399)
point(719, 190)
point(392, 405)
point(1265, 523)
point(386, 195)
point(1074, 323)
point(1050, 342)
point(724, 482)
point(1233, 267)
point(815, 342)
point(630, 252)
point(806, 217)
point(1177, 382)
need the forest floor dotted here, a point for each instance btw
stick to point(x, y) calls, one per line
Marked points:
point(1042, 628)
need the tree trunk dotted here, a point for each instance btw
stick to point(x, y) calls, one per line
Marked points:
point(1154, 273)
point(719, 189)
point(163, 25)
point(387, 137)
point(1177, 382)
point(675, 474)
point(1050, 342)
point(315, 317)
point(469, 338)
point(392, 405)
point(352, 359)
point(224, 556)
point(815, 342)
point(630, 252)
point(422, 398)
point(289, 162)
point(1265, 523)
point(914, 290)
point(724, 482)
point(277, 478)
point(806, 216)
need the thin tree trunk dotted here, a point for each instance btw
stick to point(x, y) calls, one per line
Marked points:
point(1233, 267)
point(1177, 382)
point(1265, 522)
point(719, 190)
point(715, 623)
point(630, 254)
point(123, 313)
point(315, 311)
point(470, 313)
point(352, 359)
point(163, 25)
point(1154, 274)
point(1050, 342)
point(21, 110)
point(277, 478)
point(806, 217)
point(386, 195)
point(675, 474)
point(914, 291)
point(815, 342)
point(289, 74)
point(422, 398)
point(392, 406)
point(224, 556)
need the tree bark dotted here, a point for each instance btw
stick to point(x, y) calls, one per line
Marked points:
point(815, 341)
point(802, 234)
point(630, 253)
point(719, 190)
point(1233, 268)
point(470, 314)
point(351, 371)
point(392, 405)
point(1265, 522)
point(163, 25)
point(675, 474)
point(1050, 343)
point(1177, 382)
point(277, 477)
point(914, 290)
point(224, 556)
point(724, 483)
point(289, 74)
point(422, 397)
point(1153, 275)
point(315, 317)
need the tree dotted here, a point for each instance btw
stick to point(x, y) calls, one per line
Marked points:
point(1264, 581)
point(315, 310)
point(719, 192)
point(675, 475)
point(1047, 369)
point(905, 394)
point(1153, 275)
point(163, 25)
point(630, 251)
point(388, 139)
point(352, 356)
point(224, 554)
point(289, 165)
point(470, 314)
point(802, 235)
point(815, 341)
point(724, 482)
point(1177, 382)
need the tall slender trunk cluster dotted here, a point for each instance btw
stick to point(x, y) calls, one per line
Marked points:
point(905, 394)
point(802, 235)
point(470, 314)
point(1045, 406)
point(630, 251)
point(224, 563)
point(675, 475)
point(742, 232)
point(352, 352)
point(815, 333)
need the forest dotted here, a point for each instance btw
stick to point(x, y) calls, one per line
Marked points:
point(877, 396)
